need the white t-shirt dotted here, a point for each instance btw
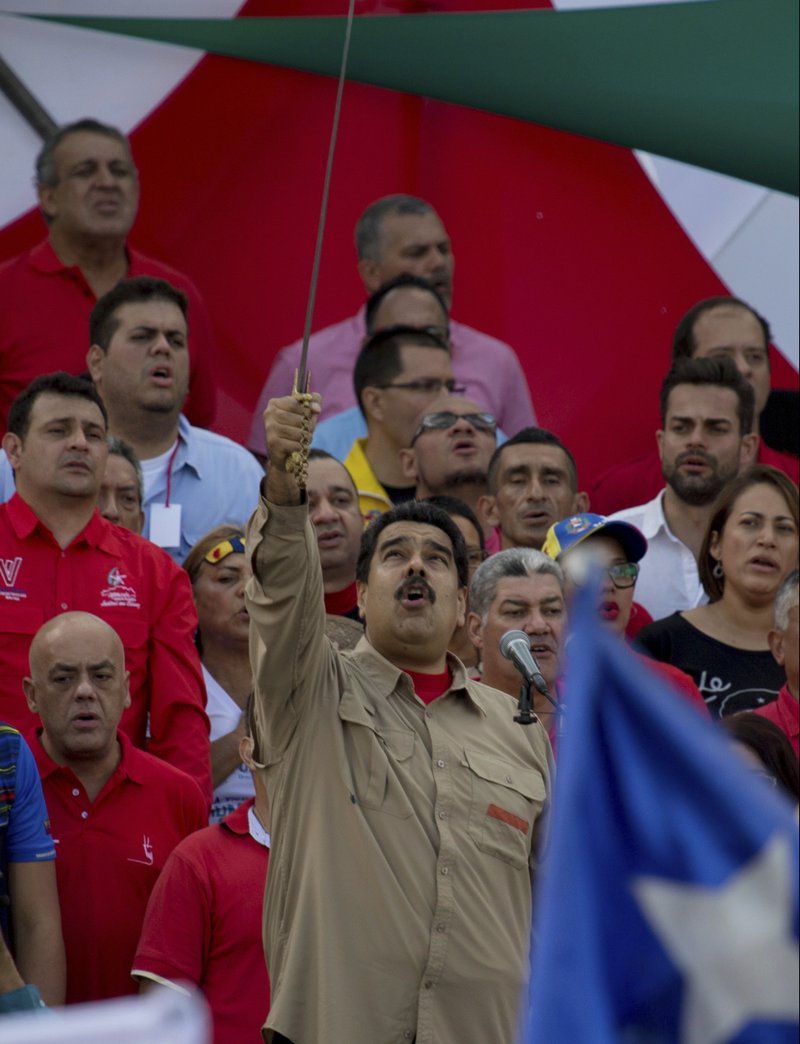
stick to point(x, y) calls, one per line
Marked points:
point(224, 714)
point(155, 468)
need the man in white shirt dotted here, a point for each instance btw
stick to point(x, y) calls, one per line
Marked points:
point(705, 440)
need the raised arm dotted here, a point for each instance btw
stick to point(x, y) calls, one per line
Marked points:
point(284, 596)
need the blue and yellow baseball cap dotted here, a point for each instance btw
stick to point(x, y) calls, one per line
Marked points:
point(570, 532)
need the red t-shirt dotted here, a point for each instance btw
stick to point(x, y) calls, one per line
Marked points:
point(785, 713)
point(110, 852)
point(203, 925)
point(136, 588)
point(44, 325)
point(430, 687)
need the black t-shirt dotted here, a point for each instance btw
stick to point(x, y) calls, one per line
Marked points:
point(730, 679)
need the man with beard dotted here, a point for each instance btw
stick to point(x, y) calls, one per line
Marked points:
point(705, 440)
point(450, 451)
point(406, 804)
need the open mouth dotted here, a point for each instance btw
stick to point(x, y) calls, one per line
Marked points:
point(162, 376)
point(85, 720)
point(766, 564)
point(329, 538)
point(608, 610)
point(415, 593)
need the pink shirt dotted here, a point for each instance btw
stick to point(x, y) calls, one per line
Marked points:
point(489, 368)
point(785, 713)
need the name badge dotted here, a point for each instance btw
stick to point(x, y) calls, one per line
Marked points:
point(165, 525)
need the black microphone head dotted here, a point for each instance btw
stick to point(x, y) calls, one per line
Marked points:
point(509, 639)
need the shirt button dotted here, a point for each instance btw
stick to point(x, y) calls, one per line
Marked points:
point(442, 815)
point(428, 714)
point(445, 871)
point(440, 763)
point(428, 984)
point(64, 605)
point(440, 927)
point(509, 779)
point(408, 1034)
point(84, 815)
point(75, 792)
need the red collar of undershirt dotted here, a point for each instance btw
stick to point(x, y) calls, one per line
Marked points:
point(430, 686)
point(337, 603)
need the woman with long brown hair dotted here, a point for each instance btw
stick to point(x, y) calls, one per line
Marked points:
point(750, 547)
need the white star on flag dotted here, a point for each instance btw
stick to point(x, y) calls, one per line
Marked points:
point(733, 943)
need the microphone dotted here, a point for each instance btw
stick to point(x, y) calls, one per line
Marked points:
point(516, 647)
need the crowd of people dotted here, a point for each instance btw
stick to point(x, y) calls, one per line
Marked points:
point(236, 689)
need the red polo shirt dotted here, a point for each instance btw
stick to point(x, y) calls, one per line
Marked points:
point(44, 325)
point(110, 852)
point(203, 925)
point(785, 713)
point(136, 588)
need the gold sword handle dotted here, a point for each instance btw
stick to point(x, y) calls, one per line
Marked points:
point(297, 461)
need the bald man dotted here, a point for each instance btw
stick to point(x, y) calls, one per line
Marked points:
point(116, 812)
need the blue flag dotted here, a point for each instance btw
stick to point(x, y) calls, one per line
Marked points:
point(668, 906)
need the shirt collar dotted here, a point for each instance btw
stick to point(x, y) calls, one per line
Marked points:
point(188, 454)
point(653, 517)
point(97, 533)
point(388, 678)
point(130, 763)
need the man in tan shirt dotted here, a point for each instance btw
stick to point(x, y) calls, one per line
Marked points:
point(407, 806)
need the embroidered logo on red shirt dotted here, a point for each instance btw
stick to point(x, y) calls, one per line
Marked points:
point(147, 847)
point(9, 571)
point(119, 592)
point(508, 817)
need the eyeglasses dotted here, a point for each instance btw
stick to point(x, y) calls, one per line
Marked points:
point(444, 419)
point(623, 574)
point(428, 385)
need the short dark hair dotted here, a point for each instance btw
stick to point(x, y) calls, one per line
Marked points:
point(531, 436)
point(58, 383)
point(757, 475)
point(321, 454)
point(369, 226)
point(413, 511)
point(120, 448)
point(684, 344)
point(771, 746)
point(720, 372)
point(379, 360)
point(46, 171)
point(375, 300)
point(455, 506)
point(103, 323)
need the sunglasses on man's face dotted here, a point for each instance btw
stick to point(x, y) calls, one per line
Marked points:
point(446, 419)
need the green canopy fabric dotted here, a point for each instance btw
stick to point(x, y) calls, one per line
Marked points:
point(713, 83)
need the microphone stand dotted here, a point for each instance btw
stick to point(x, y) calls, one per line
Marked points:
point(525, 715)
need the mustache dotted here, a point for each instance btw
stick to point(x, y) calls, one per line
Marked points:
point(415, 582)
point(696, 454)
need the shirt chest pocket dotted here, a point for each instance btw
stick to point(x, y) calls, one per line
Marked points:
point(506, 800)
point(378, 760)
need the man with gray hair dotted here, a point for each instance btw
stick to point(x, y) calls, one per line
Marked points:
point(395, 235)
point(88, 191)
point(784, 640)
point(519, 590)
point(121, 492)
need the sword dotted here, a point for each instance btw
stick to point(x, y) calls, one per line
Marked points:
point(297, 462)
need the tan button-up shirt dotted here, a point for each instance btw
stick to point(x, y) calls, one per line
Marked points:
point(398, 901)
